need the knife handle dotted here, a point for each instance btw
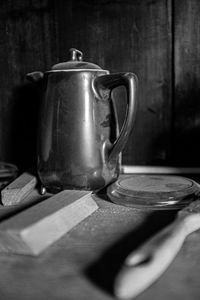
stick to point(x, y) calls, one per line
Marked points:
point(144, 266)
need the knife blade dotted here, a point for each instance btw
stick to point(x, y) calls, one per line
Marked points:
point(147, 263)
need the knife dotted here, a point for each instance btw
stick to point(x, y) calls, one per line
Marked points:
point(146, 264)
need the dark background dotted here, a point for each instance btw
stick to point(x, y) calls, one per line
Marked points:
point(159, 40)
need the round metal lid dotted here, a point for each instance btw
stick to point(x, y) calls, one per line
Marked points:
point(153, 191)
point(75, 62)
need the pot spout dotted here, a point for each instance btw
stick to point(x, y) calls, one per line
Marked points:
point(35, 76)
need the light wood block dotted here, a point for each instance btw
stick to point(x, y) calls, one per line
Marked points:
point(18, 189)
point(36, 228)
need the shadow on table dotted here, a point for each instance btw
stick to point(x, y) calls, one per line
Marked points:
point(103, 272)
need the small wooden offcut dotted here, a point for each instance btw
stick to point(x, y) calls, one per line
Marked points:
point(15, 192)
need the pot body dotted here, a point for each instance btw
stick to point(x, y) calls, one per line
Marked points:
point(77, 128)
point(79, 143)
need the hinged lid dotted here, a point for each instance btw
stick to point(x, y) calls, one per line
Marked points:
point(75, 62)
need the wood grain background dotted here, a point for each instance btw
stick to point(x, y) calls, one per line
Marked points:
point(159, 40)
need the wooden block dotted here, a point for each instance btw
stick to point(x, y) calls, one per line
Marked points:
point(33, 230)
point(18, 189)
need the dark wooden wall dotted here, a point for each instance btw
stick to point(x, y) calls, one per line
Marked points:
point(159, 40)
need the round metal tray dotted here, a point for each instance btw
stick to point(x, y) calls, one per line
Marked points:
point(153, 191)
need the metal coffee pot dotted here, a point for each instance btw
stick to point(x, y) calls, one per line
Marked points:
point(79, 142)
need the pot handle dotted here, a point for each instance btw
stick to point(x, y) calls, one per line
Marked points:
point(129, 81)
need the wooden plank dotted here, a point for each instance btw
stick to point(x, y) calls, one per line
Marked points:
point(15, 192)
point(187, 77)
point(33, 230)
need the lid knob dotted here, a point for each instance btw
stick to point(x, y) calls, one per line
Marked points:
point(75, 54)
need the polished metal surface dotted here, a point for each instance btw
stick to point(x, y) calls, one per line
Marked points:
point(78, 139)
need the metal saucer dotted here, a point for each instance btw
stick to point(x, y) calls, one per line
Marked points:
point(153, 191)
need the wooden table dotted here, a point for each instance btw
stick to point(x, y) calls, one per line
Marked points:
point(83, 264)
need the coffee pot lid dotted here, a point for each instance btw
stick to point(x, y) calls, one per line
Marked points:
point(75, 62)
point(153, 191)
